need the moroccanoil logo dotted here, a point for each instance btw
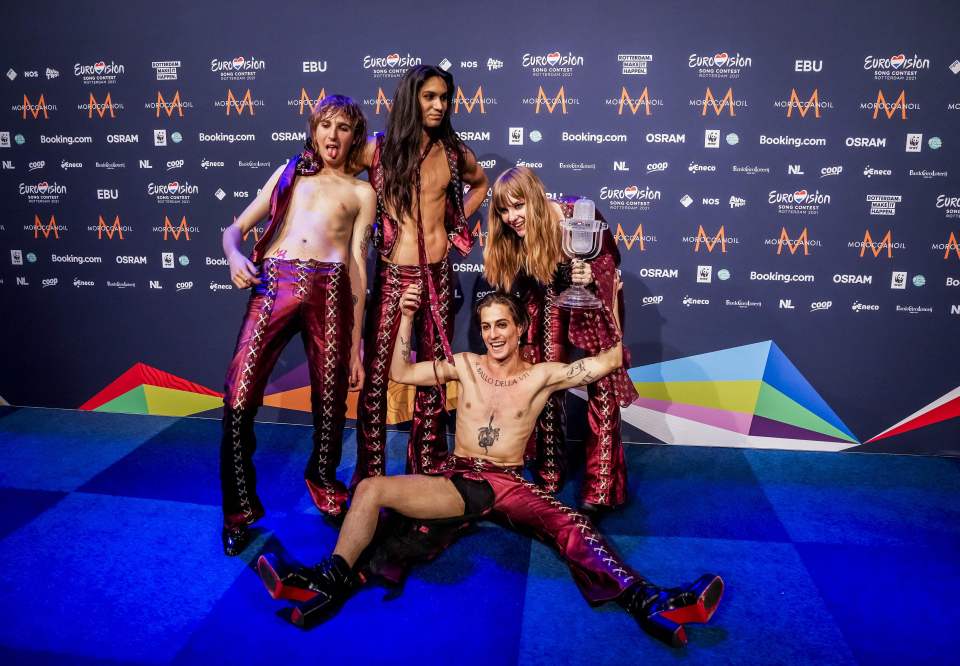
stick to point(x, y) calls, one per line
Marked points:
point(952, 244)
point(560, 98)
point(170, 230)
point(479, 233)
point(51, 227)
point(478, 99)
point(709, 101)
point(877, 248)
point(101, 108)
point(793, 245)
point(115, 228)
point(794, 104)
point(306, 101)
point(702, 237)
point(889, 108)
point(381, 101)
point(41, 107)
point(175, 105)
point(634, 104)
point(636, 238)
point(238, 105)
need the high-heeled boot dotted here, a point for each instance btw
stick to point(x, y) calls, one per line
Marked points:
point(319, 590)
point(663, 612)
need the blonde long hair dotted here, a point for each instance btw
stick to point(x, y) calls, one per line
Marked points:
point(506, 253)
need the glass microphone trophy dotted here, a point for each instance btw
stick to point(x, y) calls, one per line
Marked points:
point(582, 236)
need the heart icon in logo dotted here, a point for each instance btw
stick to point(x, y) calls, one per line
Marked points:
point(43, 186)
point(799, 196)
point(393, 59)
point(99, 67)
point(173, 186)
point(897, 61)
point(720, 59)
point(238, 62)
point(553, 58)
point(631, 192)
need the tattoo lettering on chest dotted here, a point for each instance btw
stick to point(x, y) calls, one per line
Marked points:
point(579, 373)
point(500, 383)
point(487, 435)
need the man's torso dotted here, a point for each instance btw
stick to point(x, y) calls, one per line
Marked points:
point(434, 179)
point(320, 219)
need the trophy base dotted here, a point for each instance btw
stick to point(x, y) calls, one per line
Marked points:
point(579, 298)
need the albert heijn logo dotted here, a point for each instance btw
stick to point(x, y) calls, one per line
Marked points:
point(115, 229)
point(638, 237)
point(102, 109)
point(41, 107)
point(560, 99)
point(175, 105)
point(710, 101)
point(307, 101)
point(238, 105)
point(898, 105)
point(479, 100)
point(51, 228)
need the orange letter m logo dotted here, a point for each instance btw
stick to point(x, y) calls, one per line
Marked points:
point(792, 245)
point(174, 105)
point(702, 237)
point(727, 101)
point(891, 109)
point(462, 99)
point(245, 101)
point(803, 107)
point(877, 248)
point(102, 228)
point(168, 228)
point(625, 98)
point(561, 98)
point(38, 228)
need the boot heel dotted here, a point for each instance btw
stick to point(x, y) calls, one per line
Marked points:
point(282, 585)
point(663, 629)
point(704, 594)
point(311, 613)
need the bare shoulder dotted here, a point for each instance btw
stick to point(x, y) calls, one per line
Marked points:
point(364, 190)
point(556, 209)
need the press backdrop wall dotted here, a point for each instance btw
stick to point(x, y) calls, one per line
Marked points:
point(781, 179)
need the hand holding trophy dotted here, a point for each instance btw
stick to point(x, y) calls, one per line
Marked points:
point(582, 237)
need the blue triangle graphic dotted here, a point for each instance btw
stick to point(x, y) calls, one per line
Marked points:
point(737, 363)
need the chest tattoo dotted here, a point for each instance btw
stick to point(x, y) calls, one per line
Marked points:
point(500, 383)
point(487, 435)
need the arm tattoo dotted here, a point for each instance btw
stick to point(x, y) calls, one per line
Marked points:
point(355, 299)
point(487, 435)
point(579, 372)
point(405, 347)
point(365, 242)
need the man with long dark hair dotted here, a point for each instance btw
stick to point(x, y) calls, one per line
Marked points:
point(419, 170)
point(308, 275)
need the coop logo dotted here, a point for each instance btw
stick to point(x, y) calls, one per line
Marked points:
point(852, 278)
point(799, 202)
point(239, 105)
point(634, 64)
point(949, 205)
point(885, 244)
point(631, 104)
point(865, 142)
point(898, 106)
point(550, 104)
point(36, 165)
point(950, 248)
point(478, 101)
point(710, 102)
point(710, 242)
point(380, 102)
point(883, 204)
point(552, 64)
point(793, 245)
point(102, 109)
point(36, 109)
point(870, 172)
point(721, 65)
point(173, 192)
point(51, 227)
point(817, 306)
point(390, 66)
point(176, 105)
point(239, 68)
point(660, 137)
point(897, 67)
point(43, 192)
point(166, 70)
point(99, 73)
point(792, 141)
point(638, 238)
point(660, 273)
point(183, 229)
point(115, 229)
point(630, 198)
point(795, 106)
point(306, 103)
point(657, 167)
point(222, 137)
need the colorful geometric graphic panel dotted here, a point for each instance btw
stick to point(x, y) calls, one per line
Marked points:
point(146, 390)
point(943, 408)
point(750, 396)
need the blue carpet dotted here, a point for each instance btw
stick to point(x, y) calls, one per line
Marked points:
point(110, 533)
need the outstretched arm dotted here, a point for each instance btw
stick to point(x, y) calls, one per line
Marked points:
point(425, 373)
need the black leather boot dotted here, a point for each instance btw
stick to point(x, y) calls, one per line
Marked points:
point(320, 590)
point(663, 612)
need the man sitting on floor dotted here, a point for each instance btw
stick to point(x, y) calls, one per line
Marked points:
point(500, 398)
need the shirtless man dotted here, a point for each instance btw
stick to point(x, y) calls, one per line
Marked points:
point(419, 169)
point(308, 274)
point(501, 397)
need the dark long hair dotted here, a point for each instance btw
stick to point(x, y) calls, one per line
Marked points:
point(401, 146)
